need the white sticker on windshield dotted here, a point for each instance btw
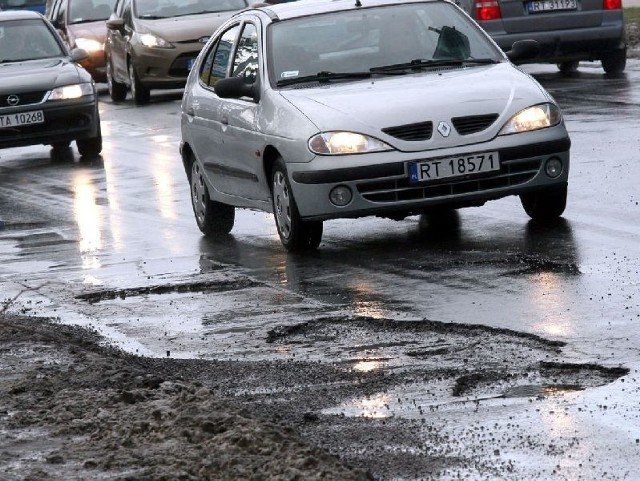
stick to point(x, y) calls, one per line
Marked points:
point(290, 73)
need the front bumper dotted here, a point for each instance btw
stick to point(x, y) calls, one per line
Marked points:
point(165, 67)
point(65, 121)
point(384, 188)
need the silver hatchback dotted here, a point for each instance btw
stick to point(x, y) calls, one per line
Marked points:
point(342, 109)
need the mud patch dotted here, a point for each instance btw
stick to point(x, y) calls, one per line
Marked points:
point(177, 288)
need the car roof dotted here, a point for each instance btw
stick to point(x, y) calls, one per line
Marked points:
point(301, 8)
point(18, 15)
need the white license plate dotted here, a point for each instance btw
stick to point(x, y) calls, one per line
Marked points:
point(18, 119)
point(437, 169)
point(551, 5)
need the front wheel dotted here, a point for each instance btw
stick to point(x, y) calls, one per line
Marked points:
point(615, 61)
point(545, 205)
point(141, 94)
point(213, 218)
point(295, 234)
point(91, 147)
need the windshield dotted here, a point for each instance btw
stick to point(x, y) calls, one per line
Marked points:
point(367, 39)
point(37, 5)
point(81, 11)
point(27, 40)
point(176, 8)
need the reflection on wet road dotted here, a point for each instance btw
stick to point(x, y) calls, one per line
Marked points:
point(112, 244)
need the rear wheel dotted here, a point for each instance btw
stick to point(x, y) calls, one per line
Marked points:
point(545, 205)
point(568, 67)
point(295, 234)
point(213, 218)
point(117, 90)
point(141, 94)
point(615, 61)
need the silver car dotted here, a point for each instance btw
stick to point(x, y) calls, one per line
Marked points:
point(568, 31)
point(343, 109)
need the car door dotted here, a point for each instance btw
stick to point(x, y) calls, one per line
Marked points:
point(118, 39)
point(242, 142)
point(225, 136)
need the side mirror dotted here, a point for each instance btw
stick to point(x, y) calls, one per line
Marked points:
point(79, 54)
point(523, 50)
point(115, 24)
point(236, 87)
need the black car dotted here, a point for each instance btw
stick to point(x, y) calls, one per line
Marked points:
point(45, 96)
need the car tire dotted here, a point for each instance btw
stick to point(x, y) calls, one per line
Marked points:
point(117, 90)
point(295, 234)
point(91, 147)
point(214, 219)
point(545, 205)
point(615, 61)
point(569, 67)
point(141, 94)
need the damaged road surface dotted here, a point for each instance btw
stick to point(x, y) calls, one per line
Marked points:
point(470, 345)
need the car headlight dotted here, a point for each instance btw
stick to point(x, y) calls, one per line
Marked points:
point(341, 143)
point(533, 118)
point(152, 41)
point(71, 91)
point(89, 44)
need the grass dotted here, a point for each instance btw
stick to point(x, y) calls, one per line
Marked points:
point(632, 15)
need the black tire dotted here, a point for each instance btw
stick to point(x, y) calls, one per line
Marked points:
point(295, 234)
point(615, 61)
point(214, 219)
point(545, 205)
point(568, 67)
point(141, 94)
point(91, 147)
point(117, 90)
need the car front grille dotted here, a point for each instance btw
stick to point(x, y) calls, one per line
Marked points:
point(26, 98)
point(411, 132)
point(473, 124)
point(512, 172)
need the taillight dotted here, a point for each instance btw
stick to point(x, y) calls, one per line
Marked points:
point(612, 4)
point(490, 9)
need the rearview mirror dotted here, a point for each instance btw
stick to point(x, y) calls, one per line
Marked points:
point(115, 24)
point(236, 87)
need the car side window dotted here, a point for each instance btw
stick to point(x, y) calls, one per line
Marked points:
point(60, 13)
point(245, 62)
point(216, 63)
point(126, 13)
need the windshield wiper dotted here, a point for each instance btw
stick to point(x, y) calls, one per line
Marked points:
point(323, 77)
point(418, 64)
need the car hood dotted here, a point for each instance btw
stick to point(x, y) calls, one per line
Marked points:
point(95, 30)
point(189, 28)
point(36, 75)
point(369, 106)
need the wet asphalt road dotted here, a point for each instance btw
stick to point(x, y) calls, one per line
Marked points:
point(112, 244)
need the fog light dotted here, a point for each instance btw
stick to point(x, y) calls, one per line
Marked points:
point(340, 195)
point(553, 167)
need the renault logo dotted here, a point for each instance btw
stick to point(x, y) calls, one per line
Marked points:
point(13, 100)
point(444, 129)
